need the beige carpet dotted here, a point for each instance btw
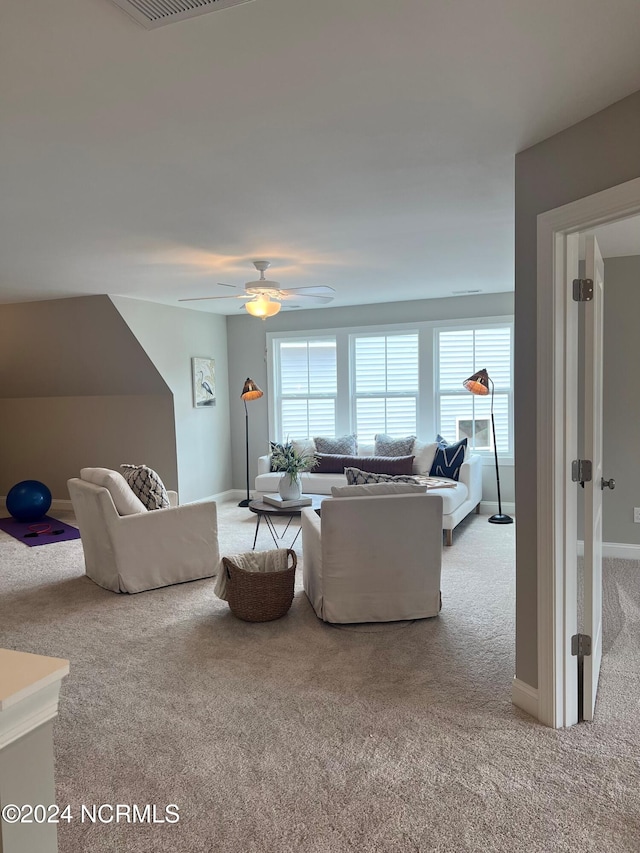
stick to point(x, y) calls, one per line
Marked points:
point(298, 736)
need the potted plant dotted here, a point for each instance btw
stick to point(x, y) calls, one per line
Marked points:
point(291, 462)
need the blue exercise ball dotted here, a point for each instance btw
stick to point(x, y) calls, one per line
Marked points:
point(28, 500)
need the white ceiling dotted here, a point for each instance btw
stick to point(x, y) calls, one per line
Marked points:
point(365, 144)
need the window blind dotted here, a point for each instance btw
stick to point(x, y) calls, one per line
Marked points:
point(460, 353)
point(385, 382)
point(306, 387)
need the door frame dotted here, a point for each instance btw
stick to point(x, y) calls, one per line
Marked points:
point(556, 439)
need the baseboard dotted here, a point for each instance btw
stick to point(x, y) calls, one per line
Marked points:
point(491, 507)
point(525, 696)
point(618, 550)
point(56, 503)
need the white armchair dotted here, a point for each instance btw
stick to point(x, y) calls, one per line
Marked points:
point(144, 550)
point(373, 558)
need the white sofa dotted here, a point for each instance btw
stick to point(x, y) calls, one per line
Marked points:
point(458, 502)
point(373, 558)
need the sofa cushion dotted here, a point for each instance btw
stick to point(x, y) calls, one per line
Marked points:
point(358, 477)
point(330, 463)
point(423, 456)
point(147, 485)
point(385, 445)
point(448, 460)
point(377, 489)
point(126, 503)
point(344, 445)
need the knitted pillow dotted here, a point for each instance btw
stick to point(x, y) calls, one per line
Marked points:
point(356, 477)
point(385, 445)
point(147, 485)
point(344, 445)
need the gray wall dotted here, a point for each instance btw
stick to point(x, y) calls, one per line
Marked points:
point(77, 389)
point(247, 357)
point(600, 152)
point(170, 337)
point(621, 421)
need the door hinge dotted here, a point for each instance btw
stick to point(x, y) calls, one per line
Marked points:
point(581, 471)
point(582, 289)
point(581, 645)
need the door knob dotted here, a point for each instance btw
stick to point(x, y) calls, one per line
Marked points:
point(608, 484)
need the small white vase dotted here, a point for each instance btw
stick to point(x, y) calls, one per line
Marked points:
point(289, 488)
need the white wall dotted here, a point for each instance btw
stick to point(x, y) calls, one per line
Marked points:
point(170, 337)
point(599, 152)
point(247, 358)
point(77, 389)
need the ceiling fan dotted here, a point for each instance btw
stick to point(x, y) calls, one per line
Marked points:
point(265, 297)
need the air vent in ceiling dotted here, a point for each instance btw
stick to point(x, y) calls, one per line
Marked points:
point(157, 13)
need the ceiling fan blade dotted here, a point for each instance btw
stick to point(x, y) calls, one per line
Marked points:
point(201, 298)
point(222, 284)
point(286, 294)
point(318, 290)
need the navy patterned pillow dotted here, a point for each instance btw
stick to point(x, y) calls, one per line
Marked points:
point(448, 459)
point(385, 445)
point(344, 445)
point(147, 485)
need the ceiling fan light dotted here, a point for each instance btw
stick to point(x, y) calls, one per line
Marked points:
point(263, 307)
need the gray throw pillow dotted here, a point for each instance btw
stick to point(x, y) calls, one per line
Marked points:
point(344, 445)
point(147, 485)
point(385, 445)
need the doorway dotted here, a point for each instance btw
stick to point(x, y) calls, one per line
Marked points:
point(557, 442)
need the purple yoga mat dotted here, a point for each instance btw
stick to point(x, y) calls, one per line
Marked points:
point(17, 529)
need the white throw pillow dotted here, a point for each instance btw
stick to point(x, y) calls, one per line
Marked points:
point(423, 456)
point(377, 489)
point(304, 446)
point(123, 498)
point(366, 449)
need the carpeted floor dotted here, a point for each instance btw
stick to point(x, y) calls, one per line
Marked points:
point(298, 736)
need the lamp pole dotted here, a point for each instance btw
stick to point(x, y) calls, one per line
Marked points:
point(247, 500)
point(250, 391)
point(479, 384)
point(500, 518)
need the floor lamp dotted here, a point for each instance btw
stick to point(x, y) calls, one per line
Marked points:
point(249, 392)
point(479, 384)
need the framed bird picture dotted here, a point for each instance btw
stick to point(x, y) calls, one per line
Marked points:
point(203, 376)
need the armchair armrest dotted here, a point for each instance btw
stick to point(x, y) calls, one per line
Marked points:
point(173, 498)
point(185, 536)
point(471, 476)
point(312, 550)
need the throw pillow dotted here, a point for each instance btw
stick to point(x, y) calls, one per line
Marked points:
point(147, 485)
point(385, 445)
point(424, 455)
point(124, 500)
point(357, 477)
point(344, 445)
point(377, 489)
point(330, 463)
point(275, 447)
point(448, 460)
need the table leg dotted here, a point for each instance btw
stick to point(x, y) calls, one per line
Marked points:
point(255, 538)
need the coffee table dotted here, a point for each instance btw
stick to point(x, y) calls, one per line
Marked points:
point(269, 512)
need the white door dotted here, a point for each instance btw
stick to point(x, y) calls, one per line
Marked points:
point(592, 413)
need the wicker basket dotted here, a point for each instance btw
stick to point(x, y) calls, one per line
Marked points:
point(260, 596)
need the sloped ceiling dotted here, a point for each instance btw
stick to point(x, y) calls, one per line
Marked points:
point(367, 144)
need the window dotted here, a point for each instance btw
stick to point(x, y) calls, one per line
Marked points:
point(400, 379)
point(306, 387)
point(385, 384)
point(460, 353)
